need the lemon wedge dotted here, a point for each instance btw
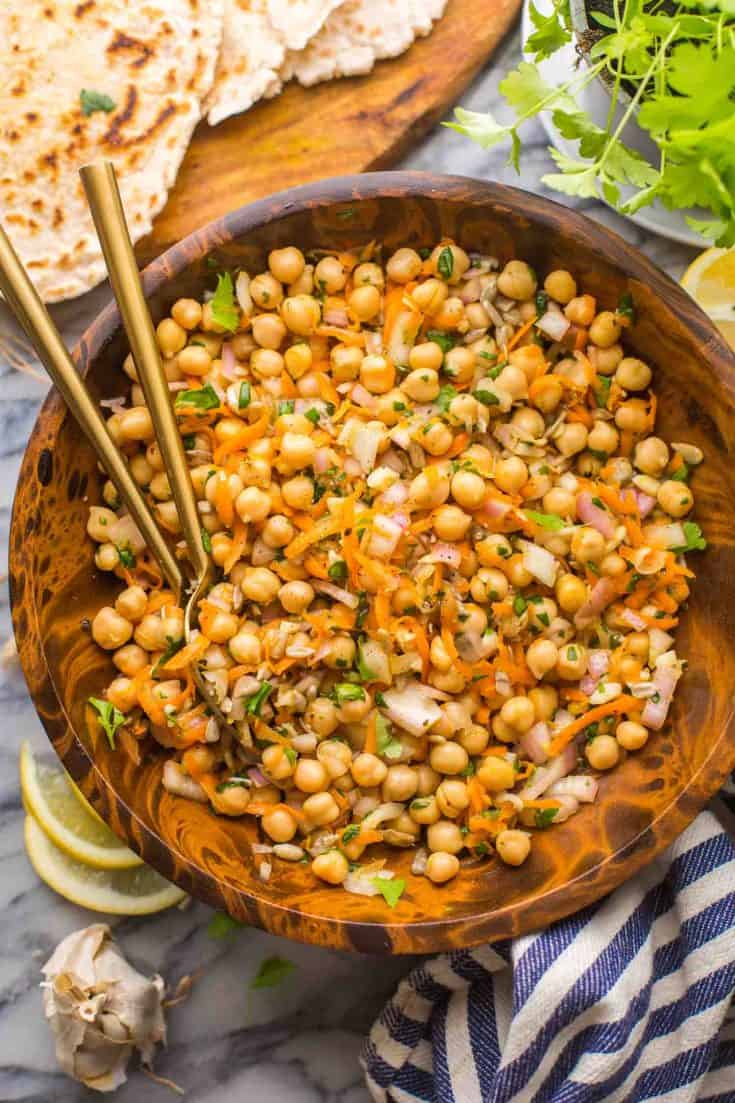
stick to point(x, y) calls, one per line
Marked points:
point(710, 280)
point(65, 815)
point(139, 891)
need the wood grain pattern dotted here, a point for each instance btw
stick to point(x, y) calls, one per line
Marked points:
point(343, 126)
point(642, 806)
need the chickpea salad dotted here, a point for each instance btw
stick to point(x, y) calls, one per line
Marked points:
point(450, 554)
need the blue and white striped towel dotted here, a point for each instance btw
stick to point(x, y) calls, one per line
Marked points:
point(629, 1000)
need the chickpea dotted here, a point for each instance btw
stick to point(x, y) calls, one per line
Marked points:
point(602, 752)
point(321, 716)
point(131, 603)
point(464, 410)
point(517, 574)
point(452, 797)
point(451, 523)
point(632, 415)
point(252, 504)
point(459, 364)
point(364, 302)
point(489, 584)
point(494, 546)
point(631, 735)
point(474, 739)
point(310, 776)
point(298, 493)
point(321, 809)
point(581, 310)
point(368, 274)
point(605, 329)
point(331, 867)
point(260, 585)
point(346, 363)
point(545, 701)
point(400, 783)
point(548, 395)
point(269, 331)
point(497, 774)
point(107, 557)
point(405, 265)
point(571, 592)
point(426, 356)
point(187, 313)
point(377, 375)
point(266, 292)
point(341, 654)
point(302, 314)
point(140, 469)
point(427, 492)
point(296, 597)
point(476, 315)
point(571, 438)
point(130, 659)
point(513, 846)
point(460, 262)
point(298, 360)
point(633, 374)
point(422, 385)
point(171, 337)
point(136, 424)
point(603, 437)
point(448, 758)
point(441, 867)
point(352, 712)
point(424, 810)
point(528, 422)
point(468, 489)
point(542, 657)
point(195, 360)
point(675, 498)
point(369, 771)
point(561, 502)
point(436, 438)
point(245, 648)
point(561, 286)
point(517, 280)
point(430, 296)
point(277, 531)
point(297, 451)
point(511, 474)
point(100, 522)
point(335, 756)
point(276, 763)
point(266, 364)
point(110, 630)
point(279, 825)
point(638, 644)
point(588, 545)
point(330, 275)
point(123, 694)
point(512, 380)
point(444, 835)
point(440, 657)
point(222, 627)
point(572, 662)
point(287, 264)
point(651, 456)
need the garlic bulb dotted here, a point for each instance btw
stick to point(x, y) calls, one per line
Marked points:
point(100, 1009)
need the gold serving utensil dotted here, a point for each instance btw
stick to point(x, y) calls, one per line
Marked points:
point(104, 201)
point(32, 315)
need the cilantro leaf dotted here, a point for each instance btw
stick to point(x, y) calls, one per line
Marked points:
point(206, 542)
point(272, 972)
point(222, 925)
point(350, 833)
point(254, 703)
point(551, 31)
point(545, 817)
point(224, 310)
point(445, 341)
point(550, 521)
point(346, 691)
point(338, 570)
point(91, 101)
point(391, 889)
point(695, 541)
point(244, 396)
point(110, 718)
point(201, 398)
point(387, 744)
point(445, 396)
point(445, 263)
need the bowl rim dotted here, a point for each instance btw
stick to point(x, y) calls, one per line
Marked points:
point(443, 933)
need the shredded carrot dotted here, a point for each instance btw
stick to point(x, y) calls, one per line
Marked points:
point(288, 388)
point(239, 541)
point(246, 436)
point(187, 655)
point(579, 413)
point(393, 306)
point(619, 502)
point(316, 565)
point(371, 735)
point(223, 502)
point(626, 442)
point(541, 803)
point(322, 530)
point(611, 708)
point(159, 600)
point(327, 391)
point(521, 333)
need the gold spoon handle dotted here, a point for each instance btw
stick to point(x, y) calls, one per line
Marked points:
point(32, 315)
point(104, 201)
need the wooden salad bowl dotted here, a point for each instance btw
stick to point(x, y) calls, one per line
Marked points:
point(642, 806)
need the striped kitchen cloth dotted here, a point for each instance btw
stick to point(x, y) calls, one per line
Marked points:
point(628, 1000)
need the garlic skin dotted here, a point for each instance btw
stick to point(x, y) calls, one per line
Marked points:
point(100, 1009)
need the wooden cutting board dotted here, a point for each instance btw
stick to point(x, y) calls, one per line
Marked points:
point(343, 126)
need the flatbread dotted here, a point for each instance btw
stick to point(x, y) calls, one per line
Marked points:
point(355, 36)
point(257, 36)
point(154, 59)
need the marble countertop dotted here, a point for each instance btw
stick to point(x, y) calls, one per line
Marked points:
point(299, 1042)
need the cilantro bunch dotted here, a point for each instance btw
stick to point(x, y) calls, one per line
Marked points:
point(673, 67)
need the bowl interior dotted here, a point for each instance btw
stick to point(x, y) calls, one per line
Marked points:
point(641, 806)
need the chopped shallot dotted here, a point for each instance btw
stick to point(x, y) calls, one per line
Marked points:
point(343, 596)
point(593, 515)
point(580, 786)
point(554, 324)
point(545, 776)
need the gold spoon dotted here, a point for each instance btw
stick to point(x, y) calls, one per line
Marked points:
point(32, 315)
point(105, 204)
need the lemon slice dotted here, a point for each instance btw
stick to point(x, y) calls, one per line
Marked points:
point(66, 817)
point(139, 891)
point(710, 280)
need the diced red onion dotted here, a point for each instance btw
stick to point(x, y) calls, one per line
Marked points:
point(395, 495)
point(336, 316)
point(352, 467)
point(470, 293)
point(545, 776)
point(229, 363)
point(178, 385)
point(420, 860)
point(631, 618)
point(568, 805)
point(336, 592)
point(540, 563)
point(598, 662)
point(373, 342)
point(591, 514)
point(321, 460)
point(644, 503)
point(362, 397)
point(655, 712)
point(535, 741)
point(605, 692)
point(642, 690)
point(580, 786)
point(554, 324)
point(385, 534)
point(603, 592)
point(261, 848)
point(258, 779)
point(496, 509)
point(116, 405)
point(665, 536)
point(503, 684)
point(658, 642)
point(448, 554)
point(588, 685)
